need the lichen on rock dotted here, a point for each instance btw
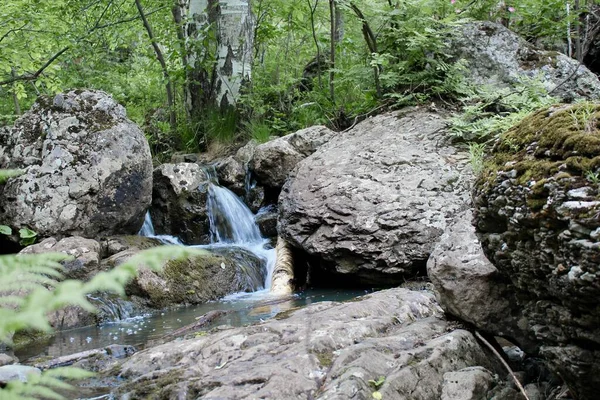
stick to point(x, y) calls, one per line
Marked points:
point(88, 168)
point(537, 211)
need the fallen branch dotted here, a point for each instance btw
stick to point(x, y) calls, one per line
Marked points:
point(510, 371)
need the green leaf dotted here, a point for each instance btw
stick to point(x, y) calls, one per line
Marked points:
point(25, 233)
point(377, 396)
point(5, 230)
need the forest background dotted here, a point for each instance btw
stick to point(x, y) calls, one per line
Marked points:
point(202, 73)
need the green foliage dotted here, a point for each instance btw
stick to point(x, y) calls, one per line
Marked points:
point(488, 112)
point(31, 287)
point(27, 236)
point(593, 177)
point(476, 155)
point(377, 383)
point(7, 174)
point(259, 131)
point(5, 230)
point(107, 48)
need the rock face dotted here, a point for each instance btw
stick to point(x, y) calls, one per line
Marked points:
point(273, 161)
point(86, 254)
point(537, 208)
point(469, 287)
point(324, 351)
point(179, 202)
point(498, 57)
point(372, 202)
point(88, 168)
point(198, 279)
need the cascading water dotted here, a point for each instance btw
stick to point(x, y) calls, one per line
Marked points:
point(148, 231)
point(233, 224)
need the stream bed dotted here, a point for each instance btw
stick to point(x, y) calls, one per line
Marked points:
point(244, 309)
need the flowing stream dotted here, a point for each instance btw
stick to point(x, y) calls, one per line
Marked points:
point(232, 225)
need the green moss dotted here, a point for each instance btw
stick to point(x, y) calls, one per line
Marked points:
point(559, 142)
point(325, 358)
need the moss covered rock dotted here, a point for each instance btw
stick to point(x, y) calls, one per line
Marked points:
point(537, 211)
point(198, 279)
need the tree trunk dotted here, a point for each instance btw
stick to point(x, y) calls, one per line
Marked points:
point(219, 38)
point(163, 65)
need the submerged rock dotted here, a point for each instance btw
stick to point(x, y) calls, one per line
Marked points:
point(499, 57)
point(179, 202)
point(537, 208)
point(198, 279)
point(372, 202)
point(88, 169)
point(324, 351)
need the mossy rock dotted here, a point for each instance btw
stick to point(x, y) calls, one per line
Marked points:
point(199, 279)
point(561, 142)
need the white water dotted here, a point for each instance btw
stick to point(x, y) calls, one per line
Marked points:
point(148, 231)
point(232, 224)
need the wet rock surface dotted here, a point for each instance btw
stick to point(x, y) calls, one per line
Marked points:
point(197, 279)
point(536, 211)
point(88, 168)
point(499, 57)
point(324, 351)
point(86, 255)
point(179, 202)
point(372, 202)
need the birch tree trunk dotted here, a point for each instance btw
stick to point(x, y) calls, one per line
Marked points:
point(218, 37)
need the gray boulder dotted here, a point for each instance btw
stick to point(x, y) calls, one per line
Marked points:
point(467, 384)
point(372, 202)
point(469, 287)
point(179, 202)
point(273, 161)
point(324, 351)
point(499, 57)
point(88, 168)
point(537, 215)
point(17, 372)
point(232, 175)
point(86, 255)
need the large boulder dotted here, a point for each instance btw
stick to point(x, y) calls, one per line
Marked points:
point(499, 57)
point(273, 161)
point(537, 208)
point(179, 202)
point(372, 202)
point(88, 169)
point(324, 351)
point(469, 287)
point(197, 279)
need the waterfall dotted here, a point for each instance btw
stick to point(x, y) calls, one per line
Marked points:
point(232, 223)
point(148, 231)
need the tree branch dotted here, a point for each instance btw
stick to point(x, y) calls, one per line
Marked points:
point(12, 30)
point(163, 65)
point(36, 74)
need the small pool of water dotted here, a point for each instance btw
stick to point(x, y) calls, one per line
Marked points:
point(244, 309)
